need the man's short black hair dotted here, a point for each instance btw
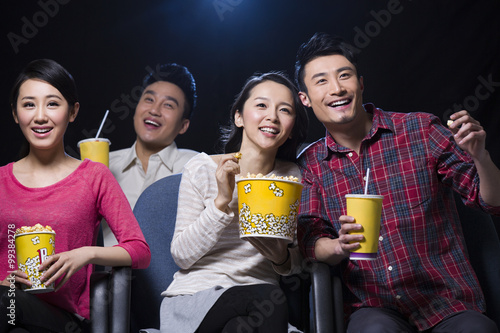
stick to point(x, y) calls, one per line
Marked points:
point(321, 44)
point(181, 77)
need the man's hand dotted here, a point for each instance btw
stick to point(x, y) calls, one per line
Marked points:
point(469, 134)
point(333, 251)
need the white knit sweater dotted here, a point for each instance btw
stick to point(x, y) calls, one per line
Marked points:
point(206, 243)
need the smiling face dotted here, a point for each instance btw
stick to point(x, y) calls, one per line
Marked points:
point(43, 114)
point(334, 91)
point(267, 118)
point(158, 115)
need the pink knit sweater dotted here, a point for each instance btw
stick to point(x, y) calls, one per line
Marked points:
point(73, 207)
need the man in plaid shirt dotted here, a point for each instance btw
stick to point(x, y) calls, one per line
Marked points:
point(422, 279)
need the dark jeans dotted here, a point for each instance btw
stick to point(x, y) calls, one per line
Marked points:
point(375, 320)
point(248, 309)
point(34, 315)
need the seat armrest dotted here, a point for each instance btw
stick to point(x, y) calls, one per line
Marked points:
point(338, 303)
point(120, 287)
point(99, 301)
point(322, 297)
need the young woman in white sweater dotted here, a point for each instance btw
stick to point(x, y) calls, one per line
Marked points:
point(226, 284)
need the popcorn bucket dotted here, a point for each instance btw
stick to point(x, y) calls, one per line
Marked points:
point(268, 207)
point(32, 248)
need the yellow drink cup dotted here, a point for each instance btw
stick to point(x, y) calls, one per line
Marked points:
point(96, 150)
point(268, 207)
point(32, 248)
point(366, 210)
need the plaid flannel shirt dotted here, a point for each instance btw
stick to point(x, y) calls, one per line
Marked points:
point(422, 269)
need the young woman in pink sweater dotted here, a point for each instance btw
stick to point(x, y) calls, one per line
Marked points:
point(49, 187)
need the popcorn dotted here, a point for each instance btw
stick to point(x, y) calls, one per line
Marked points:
point(270, 224)
point(36, 228)
point(449, 122)
point(237, 155)
point(273, 176)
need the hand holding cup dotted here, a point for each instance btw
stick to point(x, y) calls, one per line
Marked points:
point(349, 236)
point(366, 210)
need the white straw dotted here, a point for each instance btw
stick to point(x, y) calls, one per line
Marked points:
point(366, 181)
point(102, 124)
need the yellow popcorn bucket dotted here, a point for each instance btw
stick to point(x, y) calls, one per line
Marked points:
point(32, 248)
point(96, 150)
point(268, 207)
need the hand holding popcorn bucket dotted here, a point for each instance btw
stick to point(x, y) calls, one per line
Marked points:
point(33, 246)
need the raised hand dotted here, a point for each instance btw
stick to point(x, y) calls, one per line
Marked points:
point(468, 133)
point(227, 169)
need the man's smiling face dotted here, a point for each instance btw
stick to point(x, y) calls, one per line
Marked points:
point(334, 90)
point(158, 117)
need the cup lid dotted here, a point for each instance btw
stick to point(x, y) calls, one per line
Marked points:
point(365, 196)
point(92, 140)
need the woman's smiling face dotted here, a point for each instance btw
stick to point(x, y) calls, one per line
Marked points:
point(268, 116)
point(43, 114)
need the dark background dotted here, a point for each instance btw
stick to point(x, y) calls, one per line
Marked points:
point(414, 55)
point(433, 56)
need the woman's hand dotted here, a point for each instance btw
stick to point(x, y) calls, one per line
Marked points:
point(227, 169)
point(18, 277)
point(63, 264)
point(274, 249)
